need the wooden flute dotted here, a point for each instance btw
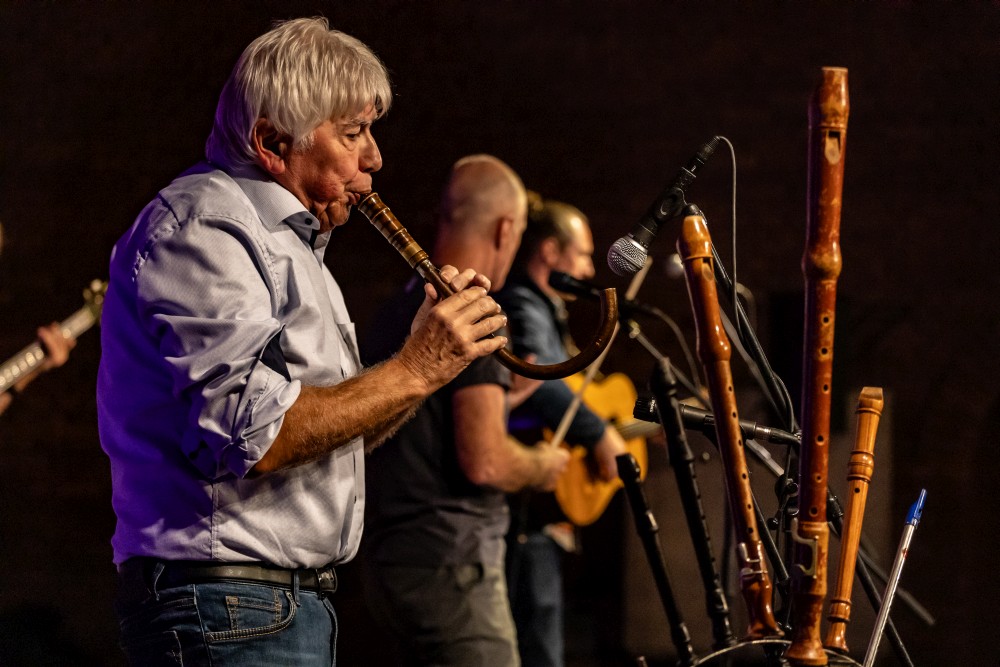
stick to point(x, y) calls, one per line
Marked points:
point(821, 264)
point(859, 475)
point(714, 351)
point(383, 219)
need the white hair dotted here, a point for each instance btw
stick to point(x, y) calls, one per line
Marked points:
point(298, 75)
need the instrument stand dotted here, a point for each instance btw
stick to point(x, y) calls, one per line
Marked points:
point(777, 394)
point(786, 485)
point(645, 523)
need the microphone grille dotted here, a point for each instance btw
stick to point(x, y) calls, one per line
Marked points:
point(626, 257)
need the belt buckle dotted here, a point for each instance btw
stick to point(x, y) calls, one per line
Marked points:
point(326, 579)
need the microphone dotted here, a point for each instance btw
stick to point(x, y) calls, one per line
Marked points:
point(628, 254)
point(704, 421)
point(563, 282)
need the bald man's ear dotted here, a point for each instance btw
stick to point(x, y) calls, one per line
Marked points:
point(270, 146)
point(504, 233)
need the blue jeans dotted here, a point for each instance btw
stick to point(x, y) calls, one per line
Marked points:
point(534, 580)
point(228, 624)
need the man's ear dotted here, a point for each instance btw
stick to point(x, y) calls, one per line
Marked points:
point(549, 251)
point(504, 233)
point(270, 146)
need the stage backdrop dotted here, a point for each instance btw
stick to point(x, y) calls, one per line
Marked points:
point(594, 103)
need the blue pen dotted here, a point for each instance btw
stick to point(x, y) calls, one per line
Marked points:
point(912, 519)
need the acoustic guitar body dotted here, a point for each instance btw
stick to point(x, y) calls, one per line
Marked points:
point(581, 495)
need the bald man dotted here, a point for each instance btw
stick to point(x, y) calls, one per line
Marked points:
point(436, 512)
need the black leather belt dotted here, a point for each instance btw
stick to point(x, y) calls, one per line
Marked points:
point(180, 573)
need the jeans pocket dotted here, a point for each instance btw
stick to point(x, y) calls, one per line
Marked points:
point(244, 612)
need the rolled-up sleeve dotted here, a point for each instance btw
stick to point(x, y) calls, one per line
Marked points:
point(204, 293)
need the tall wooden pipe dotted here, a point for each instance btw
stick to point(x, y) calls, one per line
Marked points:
point(714, 351)
point(821, 264)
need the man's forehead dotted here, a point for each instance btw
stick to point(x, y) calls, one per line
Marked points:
point(364, 116)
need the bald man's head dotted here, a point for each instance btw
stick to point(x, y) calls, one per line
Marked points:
point(483, 213)
point(480, 191)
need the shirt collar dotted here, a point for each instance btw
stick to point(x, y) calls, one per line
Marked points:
point(276, 205)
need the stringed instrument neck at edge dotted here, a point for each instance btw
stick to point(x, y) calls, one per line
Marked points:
point(31, 358)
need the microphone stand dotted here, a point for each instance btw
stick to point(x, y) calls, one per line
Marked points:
point(645, 523)
point(635, 333)
point(664, 386)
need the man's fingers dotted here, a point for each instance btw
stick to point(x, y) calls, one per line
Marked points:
point(476, 305)
point(56, 345)
point(459, 280)
point(482, 281)
point(448, 272)
point(489, 345)
point(475, 298)
point(488, 325)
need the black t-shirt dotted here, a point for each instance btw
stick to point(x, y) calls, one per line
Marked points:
point(420, 507)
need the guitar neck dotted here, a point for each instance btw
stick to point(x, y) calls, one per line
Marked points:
point(30, 358)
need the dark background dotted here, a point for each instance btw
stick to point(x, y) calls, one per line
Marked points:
point(593, 103)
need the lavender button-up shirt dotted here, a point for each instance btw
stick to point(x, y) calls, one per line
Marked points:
point(218, 310)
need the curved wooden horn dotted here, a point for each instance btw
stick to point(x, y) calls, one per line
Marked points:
point(388, 224)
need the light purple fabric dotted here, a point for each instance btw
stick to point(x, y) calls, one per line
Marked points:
point(218, 310)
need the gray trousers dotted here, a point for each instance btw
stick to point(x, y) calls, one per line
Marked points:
point(446, 617)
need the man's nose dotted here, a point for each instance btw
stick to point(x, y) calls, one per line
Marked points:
point(371, 158)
